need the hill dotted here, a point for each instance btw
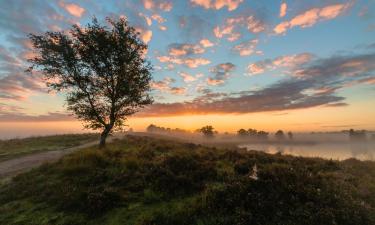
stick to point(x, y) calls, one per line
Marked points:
point(145, 180)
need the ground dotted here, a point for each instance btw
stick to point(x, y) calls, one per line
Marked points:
point(148, 180)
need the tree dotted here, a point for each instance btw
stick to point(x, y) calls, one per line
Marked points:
point(207, 131)
point(242, 133)
point(102, 70)
point(290, 135)
point(279, 135)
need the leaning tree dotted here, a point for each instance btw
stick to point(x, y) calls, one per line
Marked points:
point(102, 69)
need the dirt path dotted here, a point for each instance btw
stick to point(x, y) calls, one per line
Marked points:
point(15, 166)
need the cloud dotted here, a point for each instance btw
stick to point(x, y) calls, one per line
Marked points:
point(246, 48)
point(165, 86)
point(9, 109)
point(158, 18)
point(184, 49)
point(312, 16)
point(146, 18)
point(146, 35)
point(231, 27)
point(157, 4)
point(288, 61)
point(73, 9)
point(189, 62)
point(221, 73)
point(286, 95)
point(190, 78)
point(283, 8)
point(206, 43)
point(22, 117)
point(217, 4)
point(18, 86)
point(317, 85)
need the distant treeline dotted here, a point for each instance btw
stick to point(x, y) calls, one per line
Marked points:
point(156, 129)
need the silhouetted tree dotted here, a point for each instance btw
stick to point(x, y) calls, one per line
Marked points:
point(242, 133)
point(102, 69)
point(207, 131)
point(290, 135)
point(252, 132)
point(359, 135)
point(279, 135)
point(262, 135)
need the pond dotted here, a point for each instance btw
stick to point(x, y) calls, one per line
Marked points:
point(336, 151)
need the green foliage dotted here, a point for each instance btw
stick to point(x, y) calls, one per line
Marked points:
point(102, 69)
point(142, 180)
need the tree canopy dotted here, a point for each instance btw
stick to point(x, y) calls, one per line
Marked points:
point(102, 69)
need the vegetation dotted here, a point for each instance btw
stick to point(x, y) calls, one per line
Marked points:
point(140, 181)
point(17, 147)
point(156, 129)
point(279, 135)
point(207, 131)
point(102, 69)
point(357, 135)
point(252, 133)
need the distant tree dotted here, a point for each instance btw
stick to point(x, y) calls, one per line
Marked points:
point(242, 133)
point(207, 131)
point(101, 68)
point(279, 135)
point(359, 135)
point(152, 128)
point(290, 135)
point(262, 135)
point(252, 132)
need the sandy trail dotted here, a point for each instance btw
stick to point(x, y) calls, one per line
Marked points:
point(15, 166)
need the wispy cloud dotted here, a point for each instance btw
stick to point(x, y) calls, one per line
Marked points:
point(283, 8)
point(165, 86)
point(217, 4)
point(286, 61)
point(221, 73)
point(312, 16)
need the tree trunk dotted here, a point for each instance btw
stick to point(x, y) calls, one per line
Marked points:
point(103, 137)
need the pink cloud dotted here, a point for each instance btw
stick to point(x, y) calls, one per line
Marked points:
point(255, 68)
point(214, 82)
point(189, 62)
point(246, 48)
point(165, 86)
point(185, 49)
point(73, 9)
point(217, 4)
point(146, 35)
point(312, 16)
point(206, 43)
point(189, 78)
point(157, 4)
point(146, 18)
point(283, 8)
point(232, 24)
point(286, 61)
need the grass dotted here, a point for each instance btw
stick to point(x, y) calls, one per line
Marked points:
point(18, 147)
point(150, 181)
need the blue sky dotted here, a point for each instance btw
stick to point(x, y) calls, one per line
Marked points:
point(249, 56)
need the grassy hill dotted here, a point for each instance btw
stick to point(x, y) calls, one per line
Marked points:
point(144, 181)
point(17, 147)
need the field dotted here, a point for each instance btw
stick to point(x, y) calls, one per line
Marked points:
point(18, 147)
point(143, 180)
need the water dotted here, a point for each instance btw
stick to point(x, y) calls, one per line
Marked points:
point(361, 151)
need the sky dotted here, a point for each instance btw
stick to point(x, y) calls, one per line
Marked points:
point(292, 65)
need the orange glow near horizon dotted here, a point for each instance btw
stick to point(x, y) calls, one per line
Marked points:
point(304, 120)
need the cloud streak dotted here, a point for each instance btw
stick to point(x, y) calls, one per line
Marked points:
point(312, 16)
